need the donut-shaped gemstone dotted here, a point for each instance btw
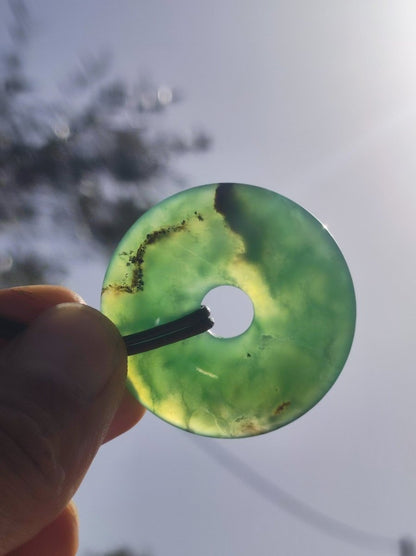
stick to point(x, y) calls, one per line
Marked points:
point(283, 259)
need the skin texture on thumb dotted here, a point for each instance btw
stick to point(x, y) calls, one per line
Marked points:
point(58, 538)
point(61, 383)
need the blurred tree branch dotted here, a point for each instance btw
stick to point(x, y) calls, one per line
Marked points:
point(126, 552)
point(76, 173)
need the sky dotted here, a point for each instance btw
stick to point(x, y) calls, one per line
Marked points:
point(317, 101)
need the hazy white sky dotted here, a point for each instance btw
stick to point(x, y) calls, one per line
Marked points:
point(316, 100)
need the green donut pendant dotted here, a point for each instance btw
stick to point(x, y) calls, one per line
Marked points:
point(293, 272)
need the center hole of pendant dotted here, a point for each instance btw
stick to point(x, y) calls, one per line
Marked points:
point(231, 310)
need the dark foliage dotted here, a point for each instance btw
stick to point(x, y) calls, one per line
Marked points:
point(126, 552)
point(77, 172)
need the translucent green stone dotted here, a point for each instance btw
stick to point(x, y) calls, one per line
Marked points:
point(300, 287)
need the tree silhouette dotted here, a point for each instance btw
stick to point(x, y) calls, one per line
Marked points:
point(77, 172)
point(126, 552)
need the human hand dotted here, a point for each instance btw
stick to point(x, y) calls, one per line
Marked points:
point(62, 394)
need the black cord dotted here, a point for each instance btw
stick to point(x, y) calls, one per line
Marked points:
point(164, 334)
point(10, 328)
point(195, 323)
point(180, 329)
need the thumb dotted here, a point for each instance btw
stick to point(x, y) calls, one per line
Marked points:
point(61, 382)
